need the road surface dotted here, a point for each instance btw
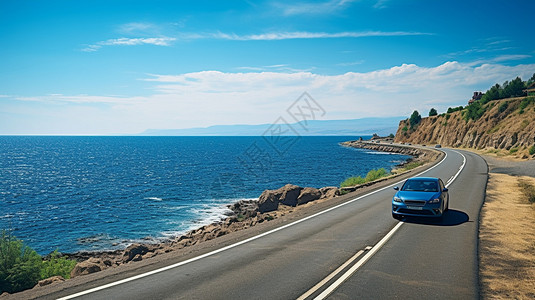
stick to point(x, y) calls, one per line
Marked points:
point(421, 259)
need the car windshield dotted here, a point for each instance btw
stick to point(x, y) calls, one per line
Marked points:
point(420, 186)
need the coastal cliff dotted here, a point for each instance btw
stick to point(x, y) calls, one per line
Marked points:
point(506, 125)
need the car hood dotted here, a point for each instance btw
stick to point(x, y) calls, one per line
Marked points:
point(407, 195)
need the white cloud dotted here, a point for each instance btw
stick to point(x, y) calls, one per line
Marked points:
point(313, 8)
point(157, 41)
point(510, 57)
point(307, 35)
point(213, 97)
point(270, 36)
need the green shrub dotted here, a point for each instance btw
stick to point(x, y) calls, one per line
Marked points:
point(404, 129)
point(57, 266)
point(513, 150)
point(376, 174)
point(503, 107)
point(532, 150)
point(352, 181)
point(19, 265)
point(525, 103)
point(474, 111)
point(412, 165)
point(454, 109)
point(371, 176)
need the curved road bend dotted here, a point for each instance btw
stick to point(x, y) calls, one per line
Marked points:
point(423, 260)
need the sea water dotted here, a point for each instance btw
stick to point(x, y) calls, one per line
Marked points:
point(103, 193)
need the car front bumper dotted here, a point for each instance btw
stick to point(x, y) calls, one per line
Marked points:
point(427, 210)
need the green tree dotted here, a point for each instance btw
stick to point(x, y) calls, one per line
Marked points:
point(19, 265)
point(415, 119)
point(433, 112)
point(391, 135)
point(515, 88)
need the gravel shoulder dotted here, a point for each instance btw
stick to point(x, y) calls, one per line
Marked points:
point(507, 231)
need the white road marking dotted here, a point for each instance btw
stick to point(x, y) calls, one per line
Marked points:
point(362, 261)
point(378, 246)
point(331, 276)
point(102, 287)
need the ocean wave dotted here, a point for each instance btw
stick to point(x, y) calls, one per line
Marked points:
point(381, 153)
point(153, 198)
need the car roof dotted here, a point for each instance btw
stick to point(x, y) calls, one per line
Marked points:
point(423, 178)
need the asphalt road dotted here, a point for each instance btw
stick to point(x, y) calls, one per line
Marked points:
point(422, 259)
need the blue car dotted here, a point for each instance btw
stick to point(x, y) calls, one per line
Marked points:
point(420, 197)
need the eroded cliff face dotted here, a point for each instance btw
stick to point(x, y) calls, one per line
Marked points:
point(510, 128)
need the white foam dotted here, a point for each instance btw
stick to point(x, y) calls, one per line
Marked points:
point(381, 153)
point(153, 198)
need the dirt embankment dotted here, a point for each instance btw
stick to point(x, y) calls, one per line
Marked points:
point(506, 125)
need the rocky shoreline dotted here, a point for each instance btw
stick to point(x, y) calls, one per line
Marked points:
point(270, 205)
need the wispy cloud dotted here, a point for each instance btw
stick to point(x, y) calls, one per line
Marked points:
point(278, 68)
point(313, 8)
point(157, 41)
point(271, 36)
point(304, 35)
point(509, 57)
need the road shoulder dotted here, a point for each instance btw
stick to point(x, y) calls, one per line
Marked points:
point(507, 235)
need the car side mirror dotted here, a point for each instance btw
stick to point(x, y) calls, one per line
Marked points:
point(445, 190)
point(396, 188)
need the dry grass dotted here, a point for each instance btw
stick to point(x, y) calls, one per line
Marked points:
point(507, 240)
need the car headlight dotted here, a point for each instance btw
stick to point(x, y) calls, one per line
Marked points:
point(437, 200)
point(397, 199)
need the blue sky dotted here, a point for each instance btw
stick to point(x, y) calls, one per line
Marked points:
point(121, 67)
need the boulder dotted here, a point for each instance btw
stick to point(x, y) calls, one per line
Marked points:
point(308, 194)
point(289, 195)
point(329, 192)
point(134, 250)
point(51, 280)
point(269, 201)
point(89, 266)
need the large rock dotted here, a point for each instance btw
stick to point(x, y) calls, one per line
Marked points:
point(89, 266)
point(269, 201)
point(51, 280)
point(329, 192)
point(289, 195)
point(308, 194)
point(134, 251)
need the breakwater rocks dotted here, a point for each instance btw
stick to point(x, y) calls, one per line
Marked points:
point(417, 153)
point(243, 214)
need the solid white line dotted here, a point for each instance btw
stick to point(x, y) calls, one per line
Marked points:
point(362, 261)
point(378, 246)
point(102, 287)
point(331, 276)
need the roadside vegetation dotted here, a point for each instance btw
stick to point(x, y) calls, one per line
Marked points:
point(528, 189)
point(371, 176)
point(21, 267)
point(410, 166)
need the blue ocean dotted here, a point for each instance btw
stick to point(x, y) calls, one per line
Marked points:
point(103, 193)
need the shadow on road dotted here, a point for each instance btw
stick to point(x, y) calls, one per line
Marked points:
point(452, 217)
